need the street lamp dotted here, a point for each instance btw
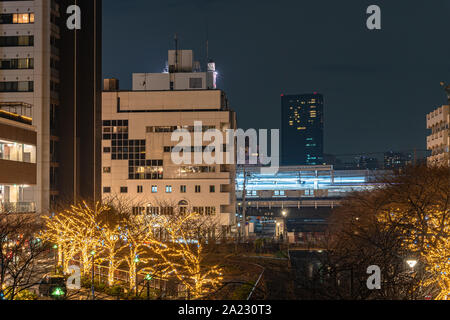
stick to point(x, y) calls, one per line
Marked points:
point(411, 263)
point(284, 214)
point(148, 277)
point(93, 275)
point(136, 260)
point(55, 247)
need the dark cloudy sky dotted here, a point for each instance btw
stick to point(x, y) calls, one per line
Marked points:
point(378, 85)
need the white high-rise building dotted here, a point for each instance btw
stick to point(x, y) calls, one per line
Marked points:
point(137, 146)
point(29, 77)
point(41, 61)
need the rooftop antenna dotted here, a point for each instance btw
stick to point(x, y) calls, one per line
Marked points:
point(176, 52)
point(207, 43)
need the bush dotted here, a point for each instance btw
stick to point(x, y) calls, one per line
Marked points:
point(242, 292)
point(26, 295)
point(114, 290)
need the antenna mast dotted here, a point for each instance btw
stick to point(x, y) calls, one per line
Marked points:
point(207, 44)
point(176, 52)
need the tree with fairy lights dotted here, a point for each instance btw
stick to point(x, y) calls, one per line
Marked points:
point(183, 253)
point(76, 233)
point(417, 204)
point(173, 245)
point(407, 216)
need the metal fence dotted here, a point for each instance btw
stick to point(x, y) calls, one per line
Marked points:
point(165, 287)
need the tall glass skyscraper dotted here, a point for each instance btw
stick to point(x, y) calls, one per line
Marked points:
point(302, 129)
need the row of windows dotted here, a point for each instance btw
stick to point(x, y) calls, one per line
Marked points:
point(208, 211)
point(279, 193)
point(115, 136)
point(168, 189)
point(197, 169)
point(16, 41)
point(193, 148)
point(136, 146)
point(158, 129)
point(124, 149)
point(117, 142)
point(13, 18)
point(120, 123)
point(10, 64)
point(146, 173)
point(17, 86)
point(115, 129)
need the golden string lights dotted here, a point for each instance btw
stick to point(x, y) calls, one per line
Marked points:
point(170, 246)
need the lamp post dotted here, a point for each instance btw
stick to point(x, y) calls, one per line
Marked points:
point(284, 214)
point(93, 275)
point(55, 247)
point(148, 277)
point(411, 263)
point(136, 260)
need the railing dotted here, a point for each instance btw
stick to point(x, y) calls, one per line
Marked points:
point(18, 207)
point(122, 276)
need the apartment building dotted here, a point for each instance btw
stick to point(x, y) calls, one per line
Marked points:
point(137, 145)
point(40, 60)
point(17, 163)
point(439, 140)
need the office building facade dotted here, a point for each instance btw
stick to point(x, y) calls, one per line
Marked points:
point(137, 146)
point(302, 129)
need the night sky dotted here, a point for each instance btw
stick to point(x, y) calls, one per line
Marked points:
point(378, 85)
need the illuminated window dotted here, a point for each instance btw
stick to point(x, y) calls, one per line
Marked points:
point(22, 18)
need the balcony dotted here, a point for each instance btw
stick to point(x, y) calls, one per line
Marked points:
point(438, 138)
point(437, 116)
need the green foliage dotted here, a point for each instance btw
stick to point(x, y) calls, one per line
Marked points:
point(26, 295)
point(281, 254)
point(114, 290)
point(242, 292)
